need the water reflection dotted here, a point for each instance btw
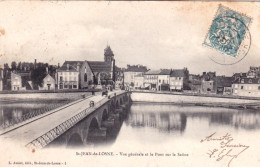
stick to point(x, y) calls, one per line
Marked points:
point(15, 111)
point(162, 121)
point(171, 118)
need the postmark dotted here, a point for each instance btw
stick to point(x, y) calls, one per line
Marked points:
point(229, 36)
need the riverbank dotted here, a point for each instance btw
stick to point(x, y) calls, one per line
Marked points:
point(195, 100)
point(198, 94)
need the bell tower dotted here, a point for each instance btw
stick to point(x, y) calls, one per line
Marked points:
point(108, 55)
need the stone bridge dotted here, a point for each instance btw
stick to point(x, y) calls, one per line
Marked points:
point(94, 127)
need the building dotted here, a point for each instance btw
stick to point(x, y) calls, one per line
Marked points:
point(104, 71)
point(157, 80)
point(246, 87)
point(85, 74)
point(133, 71)
point(139, 82)
point(151, 79)
point(194, 83)
point(223, 85)
point(68, 75)
point(164, 80)
point(208, 82)
point(179, 79)
point(1, 79)
point(254, 72)
point(16, 82)
point(48, 82)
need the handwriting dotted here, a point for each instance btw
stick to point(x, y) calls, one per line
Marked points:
point(226, 149)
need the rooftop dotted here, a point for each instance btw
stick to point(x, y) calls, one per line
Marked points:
point(99, 66)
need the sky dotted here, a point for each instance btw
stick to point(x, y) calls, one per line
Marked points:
point(154, 34)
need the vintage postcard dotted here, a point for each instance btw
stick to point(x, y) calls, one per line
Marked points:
point(149, 84)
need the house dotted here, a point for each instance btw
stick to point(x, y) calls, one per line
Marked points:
point(48, 82)
point(151, 79)
point(157, 79)
point(194, 83)
point(223, 85)
point(139, 81)
point(179, 79)
point(208, 82)
point(16, 82)
point(239, 75)
point(254, 72)
point(131, 72)
point(246, 87)
point(164, 80)
point(1, 79)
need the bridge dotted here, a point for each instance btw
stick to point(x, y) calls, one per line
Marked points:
point(73, 123)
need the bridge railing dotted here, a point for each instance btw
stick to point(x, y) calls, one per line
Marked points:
point(32, 114)
point(48, 137)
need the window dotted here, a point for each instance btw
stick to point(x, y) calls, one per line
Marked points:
point(85, 77)
point(250, 81)
point(179, 78)
point(258, 87)
point(74, 86)
point(242, 87)
point(159, 81)
point(65, 86)
point(61, 78)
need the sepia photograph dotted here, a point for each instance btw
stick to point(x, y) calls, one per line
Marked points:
point(129, 83)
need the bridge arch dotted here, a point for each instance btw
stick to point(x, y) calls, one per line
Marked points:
point(75, 140)
point(93, 124)
point(92, 131)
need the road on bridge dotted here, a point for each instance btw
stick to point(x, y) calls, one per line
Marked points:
point(35, 129)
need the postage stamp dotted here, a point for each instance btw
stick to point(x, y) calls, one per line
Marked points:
point(229, 35)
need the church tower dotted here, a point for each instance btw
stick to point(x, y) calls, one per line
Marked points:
point(109, 58)
point(109, 55)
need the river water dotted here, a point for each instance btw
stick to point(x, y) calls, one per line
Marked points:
point(172, 130)
point(178, 130)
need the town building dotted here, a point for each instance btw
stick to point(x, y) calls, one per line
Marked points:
point(246, 87)
point(208, 82)
point(16, 82)
point(151, 79)
point(48, 82)
point(179, 79)
point(254, 72)
point(131, 72)
point(164, 80)
point(85, 74)
point(194, 83)
point(224, 85)
point(157, 80)
point(139, 81)
point(68, 75)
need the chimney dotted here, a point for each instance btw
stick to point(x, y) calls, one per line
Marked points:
point(77, 66)
point(58, 65)
point(68, 66)
point(47, 70)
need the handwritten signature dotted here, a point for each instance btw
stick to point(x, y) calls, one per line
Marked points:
point(227, 148)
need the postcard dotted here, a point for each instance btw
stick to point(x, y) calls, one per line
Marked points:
point(129, 83)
